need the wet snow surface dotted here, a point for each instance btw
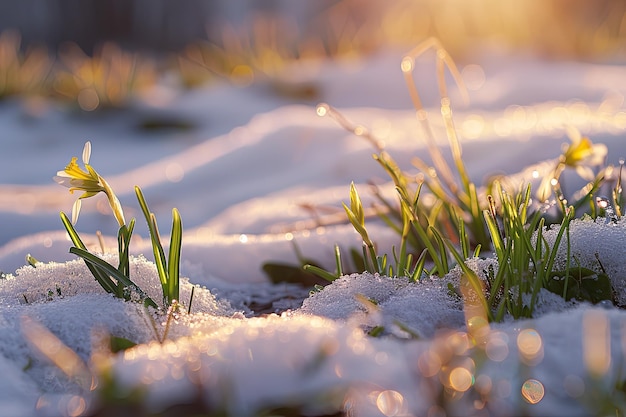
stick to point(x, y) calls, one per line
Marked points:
point(240, 179)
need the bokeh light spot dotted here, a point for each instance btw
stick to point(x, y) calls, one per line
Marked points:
point(533, 391)
point(461, 379)
point(390, 403)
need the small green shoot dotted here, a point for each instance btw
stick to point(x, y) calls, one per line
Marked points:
point(457, 224)
point(168, 269)
point(31, 260)
point(116, 280)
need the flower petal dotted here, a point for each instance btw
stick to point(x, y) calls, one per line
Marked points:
point(86, 153)
point(76, 210)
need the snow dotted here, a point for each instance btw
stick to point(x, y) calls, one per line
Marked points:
point(240, 178)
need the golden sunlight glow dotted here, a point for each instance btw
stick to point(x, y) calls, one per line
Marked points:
point(596, 342)
point(533, 391)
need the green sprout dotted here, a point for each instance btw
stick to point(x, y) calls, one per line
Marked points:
point(459, 224)
point(167, 269)
point(116, 280)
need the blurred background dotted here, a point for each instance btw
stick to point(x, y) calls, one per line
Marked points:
point(128, 73)
point(69, 48)
point(580, 28)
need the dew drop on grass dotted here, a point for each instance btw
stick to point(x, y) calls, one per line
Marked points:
point(603, 203)
point(322, 110)
point(407, 64)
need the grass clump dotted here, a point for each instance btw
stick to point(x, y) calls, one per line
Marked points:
point(22, 73)
point(460, 223)
point(116, 279)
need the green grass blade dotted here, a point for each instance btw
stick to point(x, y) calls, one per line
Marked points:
point(159, 253)
point(443, 256)
point(322, 273)
point(102, 279)
point(174, 256)
point(157, 248)
point(123, 238)
point(494, 232)
point(111, 271)
point(473, 279)
point(429, 246)
point(338, 261)
point(419, 266)
point(72, 232)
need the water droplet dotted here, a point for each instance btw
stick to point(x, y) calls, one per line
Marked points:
point(322, 109)
point(603, 203)
point(407, 64)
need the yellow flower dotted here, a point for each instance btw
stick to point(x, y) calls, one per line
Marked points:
point(90, 182)
point(582, 154)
